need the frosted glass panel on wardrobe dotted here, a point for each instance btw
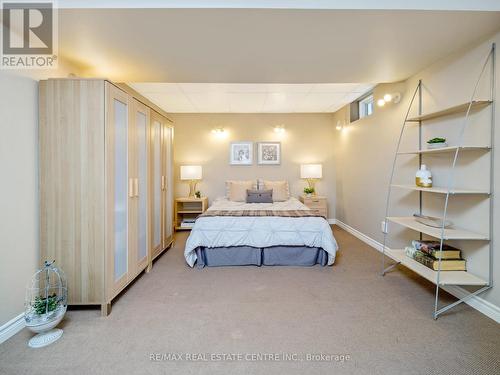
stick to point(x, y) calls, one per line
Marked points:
point(143, 185)
point(156, 134)
point(121, 186)
point(170, 177)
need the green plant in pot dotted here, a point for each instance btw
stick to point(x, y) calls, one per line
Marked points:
point(436, 142)
point(309, 191)
point(197, 194)
point(44, 305)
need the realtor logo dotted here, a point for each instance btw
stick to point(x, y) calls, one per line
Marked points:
point(28, 35)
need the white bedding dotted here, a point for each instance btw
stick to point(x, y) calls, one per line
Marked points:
point(262, 231)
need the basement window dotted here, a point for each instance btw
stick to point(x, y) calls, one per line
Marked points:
point(365, 106)
point(362, 107)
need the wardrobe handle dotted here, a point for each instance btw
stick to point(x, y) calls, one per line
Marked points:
point(131, 187)
point(136, 186)
point(162, 182)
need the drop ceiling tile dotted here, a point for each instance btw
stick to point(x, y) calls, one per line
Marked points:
point(290, 88)
point(243, 97)
point(319, 102)
point(283, 102)
point(363, 88)
point(189, 88)
point(246, 87)
point(216, 102)
point(246, 102)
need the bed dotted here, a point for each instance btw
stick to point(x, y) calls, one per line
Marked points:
point(272, 234)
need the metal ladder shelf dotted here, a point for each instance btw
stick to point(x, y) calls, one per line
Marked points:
point(441, 278)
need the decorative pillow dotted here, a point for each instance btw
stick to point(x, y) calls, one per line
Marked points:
point(238, 190)
point(228, 185)
point(281, 191)
point(260, 184)
point(259, 196)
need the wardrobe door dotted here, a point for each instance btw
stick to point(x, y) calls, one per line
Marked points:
point(119, 187)
point(139, 248)
point(168, 191)
point(156, 186)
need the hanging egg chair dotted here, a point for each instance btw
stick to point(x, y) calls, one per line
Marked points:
point(46, 303)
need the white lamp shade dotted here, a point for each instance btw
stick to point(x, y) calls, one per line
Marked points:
point(191, 172)
point(311, 171)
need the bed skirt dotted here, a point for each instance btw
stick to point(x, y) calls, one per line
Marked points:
point(268, 256)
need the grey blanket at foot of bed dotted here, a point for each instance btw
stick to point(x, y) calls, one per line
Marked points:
point(269, 256)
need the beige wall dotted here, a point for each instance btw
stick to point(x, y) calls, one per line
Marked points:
point(19, 201)
point(19, 187)
point(355, 183)
point(364, 155)
point(308, 139)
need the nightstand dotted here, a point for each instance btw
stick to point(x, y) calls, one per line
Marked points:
point(316, 203)
point(187, 210)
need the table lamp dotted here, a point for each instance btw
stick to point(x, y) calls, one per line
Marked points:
point(311, 172)
point(192, 173)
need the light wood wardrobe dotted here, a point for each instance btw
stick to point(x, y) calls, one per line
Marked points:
point(106, 189)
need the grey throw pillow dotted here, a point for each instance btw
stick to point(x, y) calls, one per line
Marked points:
point(260, 196)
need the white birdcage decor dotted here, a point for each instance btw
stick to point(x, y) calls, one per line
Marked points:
point(46, 303)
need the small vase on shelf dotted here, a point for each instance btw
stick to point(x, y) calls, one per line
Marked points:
point(423, 177)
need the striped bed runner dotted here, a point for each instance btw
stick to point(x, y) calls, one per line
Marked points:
point(255, 213)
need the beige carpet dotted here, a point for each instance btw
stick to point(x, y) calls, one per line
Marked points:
point(384, 324)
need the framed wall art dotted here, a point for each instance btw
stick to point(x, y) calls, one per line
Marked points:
point(269, 153)
point(241, 153)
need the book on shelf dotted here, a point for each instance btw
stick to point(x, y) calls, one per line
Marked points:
point(432, 263)
point(187, 224)
point(431, 248)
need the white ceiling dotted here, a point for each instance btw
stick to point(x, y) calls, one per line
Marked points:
point(262, 60)
point(264, 45)
point(250, 98)
point(288, 4)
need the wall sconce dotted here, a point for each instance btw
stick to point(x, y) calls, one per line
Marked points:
point(219, 132)
point(389, 98)
point(279, 129)
point(341, 125)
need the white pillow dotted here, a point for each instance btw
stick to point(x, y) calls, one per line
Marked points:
point(238, 190)
point(260, 184)
point(281, 191)
point(228, 185)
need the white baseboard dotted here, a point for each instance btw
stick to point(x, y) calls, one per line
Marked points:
point(356, 233)
point(480, 304)
point(12, 327)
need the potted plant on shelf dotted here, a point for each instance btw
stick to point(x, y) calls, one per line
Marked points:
point(309, 191)
point(437, 142)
